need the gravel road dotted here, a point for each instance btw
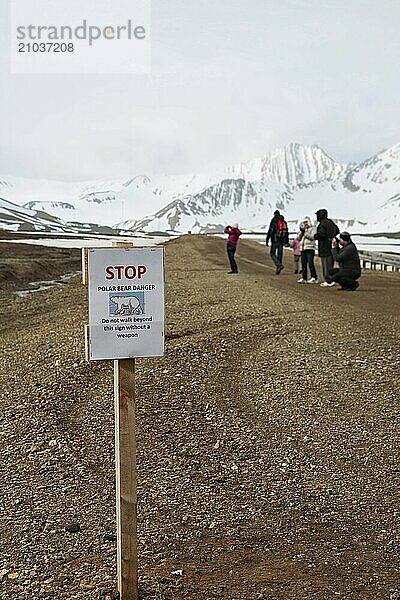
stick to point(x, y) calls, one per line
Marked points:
point(268, 447)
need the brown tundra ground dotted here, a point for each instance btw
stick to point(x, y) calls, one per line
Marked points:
point(268, 446)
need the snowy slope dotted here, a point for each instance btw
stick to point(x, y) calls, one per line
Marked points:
point(86, 202)
point(16, 218)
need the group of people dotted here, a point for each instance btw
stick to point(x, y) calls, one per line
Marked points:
point(333, 247)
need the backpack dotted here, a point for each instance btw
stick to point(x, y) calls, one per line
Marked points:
point(331, 229)
point(281, 229)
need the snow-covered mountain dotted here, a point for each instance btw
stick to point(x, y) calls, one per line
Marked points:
point(17, 218)
point(363, 198)
point(292, 165)
point(84, 202)
point(14, 217)
point(296, 179)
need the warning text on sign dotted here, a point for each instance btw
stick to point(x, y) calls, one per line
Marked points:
point(126, 318)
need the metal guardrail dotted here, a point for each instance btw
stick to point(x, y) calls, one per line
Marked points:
point(382, 261)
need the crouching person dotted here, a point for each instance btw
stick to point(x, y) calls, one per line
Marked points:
point(347, 257)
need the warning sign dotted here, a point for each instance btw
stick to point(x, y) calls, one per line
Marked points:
point(126, 302)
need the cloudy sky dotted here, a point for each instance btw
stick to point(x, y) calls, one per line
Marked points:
point(230, 80)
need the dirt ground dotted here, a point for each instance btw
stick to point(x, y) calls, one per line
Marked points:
point(268, 446)
point(24, 263)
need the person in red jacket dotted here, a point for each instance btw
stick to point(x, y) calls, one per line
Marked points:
point(231, 243)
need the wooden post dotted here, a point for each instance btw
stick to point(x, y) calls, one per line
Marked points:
point(126, 473)
point(85, 266)
point(126, 478)
point(87, 343)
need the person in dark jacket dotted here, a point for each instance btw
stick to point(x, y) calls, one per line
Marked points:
point(279, 237)
point(327, 230)
point(349, 264)
point(272, 226)
point(231, 243)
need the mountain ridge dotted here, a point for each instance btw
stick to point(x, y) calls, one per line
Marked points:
point(297, 179)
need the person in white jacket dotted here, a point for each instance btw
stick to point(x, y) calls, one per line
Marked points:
point(306, 238)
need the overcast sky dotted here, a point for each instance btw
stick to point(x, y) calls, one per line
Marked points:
point(231, 80)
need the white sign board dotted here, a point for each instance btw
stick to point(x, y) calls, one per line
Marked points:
point(126, 302)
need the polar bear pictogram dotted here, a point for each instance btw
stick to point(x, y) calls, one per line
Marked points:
point(127, 305)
